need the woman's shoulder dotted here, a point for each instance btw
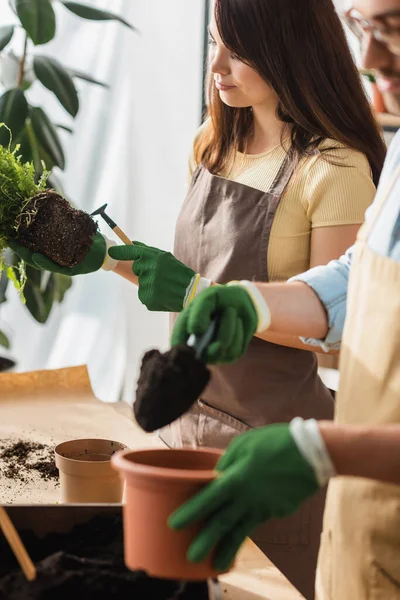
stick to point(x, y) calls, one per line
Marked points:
point(332, 154)
point(333, 174)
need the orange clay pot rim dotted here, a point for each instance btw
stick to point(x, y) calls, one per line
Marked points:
point(80, 460)
point(128, 467)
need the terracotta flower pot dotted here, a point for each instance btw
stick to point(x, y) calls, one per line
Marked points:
point(86, 474)
point(378, 102)
point(158, 482)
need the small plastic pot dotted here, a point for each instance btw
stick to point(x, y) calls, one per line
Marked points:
point(158, 481)
point(86, 474)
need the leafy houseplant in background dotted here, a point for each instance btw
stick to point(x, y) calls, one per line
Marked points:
point(34, 137)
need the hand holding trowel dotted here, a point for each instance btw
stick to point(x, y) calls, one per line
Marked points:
point(170, 383)
point(117, 230)
point(216, 327)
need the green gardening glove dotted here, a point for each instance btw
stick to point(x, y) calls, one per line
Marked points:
point(238, 322)
point(261, 475)
point(92, 261)
point(163, 279)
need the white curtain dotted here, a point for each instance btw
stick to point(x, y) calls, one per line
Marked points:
point(129, 149)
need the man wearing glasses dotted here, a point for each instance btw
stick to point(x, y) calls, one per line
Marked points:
point(268, 472)
point(377, 27)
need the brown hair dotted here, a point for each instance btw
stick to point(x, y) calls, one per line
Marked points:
point(300, 49)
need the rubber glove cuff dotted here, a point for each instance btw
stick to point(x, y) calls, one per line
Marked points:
point(262, 308)
point(311, 445)
point(195, 287)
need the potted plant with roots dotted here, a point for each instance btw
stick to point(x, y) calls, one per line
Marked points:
point(32, 207)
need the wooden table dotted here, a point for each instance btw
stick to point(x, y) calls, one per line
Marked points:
point(256, 578)
point(71, 410)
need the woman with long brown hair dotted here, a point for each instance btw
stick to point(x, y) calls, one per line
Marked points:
point(282, 172)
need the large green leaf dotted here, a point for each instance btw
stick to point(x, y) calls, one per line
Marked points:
point(94, 14)
point(4, 341)
point(47, 136)
point(31, 150)
point(6, 364)
point(4, 281)
point(88, 78)
point(13, 112)
point(57, 79)
point(33, 276)
point(39, 300)
point(62, 284)
point(25, 147)
point(42, 290)
point(6, 33)
point(36, 304)
point(38, 19)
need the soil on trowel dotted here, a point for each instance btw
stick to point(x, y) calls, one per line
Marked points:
point(88, 563)
point(24, 461)
point(168, 386)
point(56, 229)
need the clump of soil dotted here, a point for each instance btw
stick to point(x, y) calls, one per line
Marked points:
point(87, 563)
point(168, 385)
point(51, 226)
point(22, 461)
point(46, 468)
point(12, 472)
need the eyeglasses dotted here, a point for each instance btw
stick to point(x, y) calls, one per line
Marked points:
point(384, 29)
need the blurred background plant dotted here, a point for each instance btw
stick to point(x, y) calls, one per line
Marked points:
point(31, 127)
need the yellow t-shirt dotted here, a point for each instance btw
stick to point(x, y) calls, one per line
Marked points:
point(323, 191)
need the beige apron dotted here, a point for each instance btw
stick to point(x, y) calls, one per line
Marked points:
point(223, 233)
point(360, 550)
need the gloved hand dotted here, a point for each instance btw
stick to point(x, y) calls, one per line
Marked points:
point(238, 321)
point(261, 475)
point(92, 261)
point(164, 281)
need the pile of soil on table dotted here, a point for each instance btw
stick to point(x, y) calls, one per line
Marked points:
point(24, 461)
point(87, 563)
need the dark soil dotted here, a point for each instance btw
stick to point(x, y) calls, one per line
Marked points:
point(47, 469)
point(169, 384)
point(86, 564)
point(20, 460)
point(20, 450)
point(61, 232)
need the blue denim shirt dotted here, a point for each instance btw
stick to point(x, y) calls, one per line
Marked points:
point(330, 282)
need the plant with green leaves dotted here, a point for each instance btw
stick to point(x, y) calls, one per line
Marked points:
point(27, 163)
point(37, 220)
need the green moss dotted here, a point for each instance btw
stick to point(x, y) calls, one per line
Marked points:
point(17, 187)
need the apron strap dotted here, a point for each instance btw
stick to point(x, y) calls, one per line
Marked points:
point(381, 200)
point(284, 175)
